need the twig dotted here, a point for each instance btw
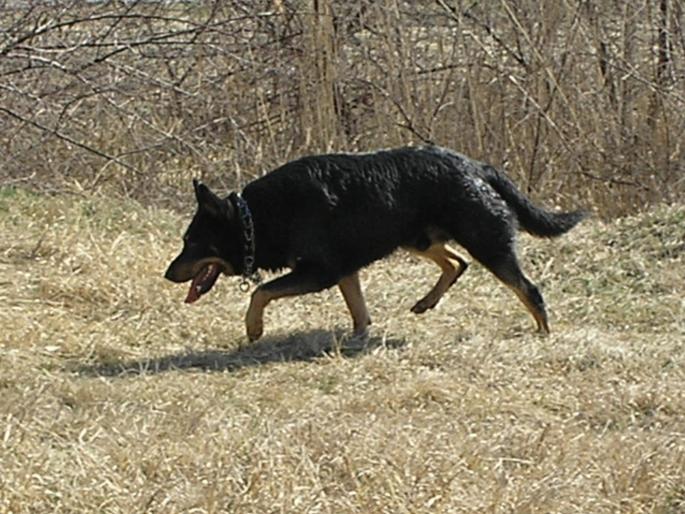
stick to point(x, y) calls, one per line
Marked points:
point(69, 139)
point(408, 122)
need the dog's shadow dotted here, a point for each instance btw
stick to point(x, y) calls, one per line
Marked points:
point(302, 347)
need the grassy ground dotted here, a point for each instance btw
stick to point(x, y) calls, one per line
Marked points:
point(117, 397)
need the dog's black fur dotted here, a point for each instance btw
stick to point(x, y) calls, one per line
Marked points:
point(327, 216)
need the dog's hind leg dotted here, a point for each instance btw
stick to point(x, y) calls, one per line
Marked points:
point(452, 265)
point(302, 280)
point(354, 298)
point(509, 272)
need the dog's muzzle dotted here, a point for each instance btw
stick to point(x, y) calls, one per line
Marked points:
point(203, 274)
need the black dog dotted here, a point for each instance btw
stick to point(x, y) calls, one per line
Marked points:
point(325, 217)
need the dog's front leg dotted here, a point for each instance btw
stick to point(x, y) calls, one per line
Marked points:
point(254, 319)
point(354, 298)
point(302, 280)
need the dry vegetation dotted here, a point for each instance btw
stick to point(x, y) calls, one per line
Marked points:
point(117, 397)
point(571, 96)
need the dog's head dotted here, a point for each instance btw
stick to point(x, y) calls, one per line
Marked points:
point(210, 245)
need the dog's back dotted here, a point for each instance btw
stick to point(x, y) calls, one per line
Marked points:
point(349, 208)
point(357, 208)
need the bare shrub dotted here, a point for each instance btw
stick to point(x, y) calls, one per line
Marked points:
point(576, 99)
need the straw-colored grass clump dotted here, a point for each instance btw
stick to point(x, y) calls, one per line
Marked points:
point(117, 397)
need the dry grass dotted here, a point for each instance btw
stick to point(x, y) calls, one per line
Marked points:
point(116, 397)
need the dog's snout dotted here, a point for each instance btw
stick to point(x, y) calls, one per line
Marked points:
point(181, 269)
point(172, 273)
point(169, 274)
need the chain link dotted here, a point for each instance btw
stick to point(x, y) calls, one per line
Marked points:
point(250, 273)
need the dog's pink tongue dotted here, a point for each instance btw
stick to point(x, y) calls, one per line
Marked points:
point(193, 292)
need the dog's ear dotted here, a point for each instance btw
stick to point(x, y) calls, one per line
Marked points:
point(202, 192)
point(207, 201)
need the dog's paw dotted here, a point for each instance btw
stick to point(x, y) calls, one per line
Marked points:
point(361, 327)
point(254, 326)
point(423, 305)
point(255, 330)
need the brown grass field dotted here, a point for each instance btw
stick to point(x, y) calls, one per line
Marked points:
point(116, 397)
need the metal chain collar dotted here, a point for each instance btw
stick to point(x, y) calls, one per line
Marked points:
point(250, 273)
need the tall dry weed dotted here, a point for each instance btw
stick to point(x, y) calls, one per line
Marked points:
point(580, 102)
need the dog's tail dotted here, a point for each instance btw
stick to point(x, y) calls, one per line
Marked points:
point(534, 220)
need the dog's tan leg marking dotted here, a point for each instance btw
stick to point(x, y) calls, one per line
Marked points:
point(354, 298)
point(291, 284)
point(452, 265)
point(254, 319)
point(539, 316)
